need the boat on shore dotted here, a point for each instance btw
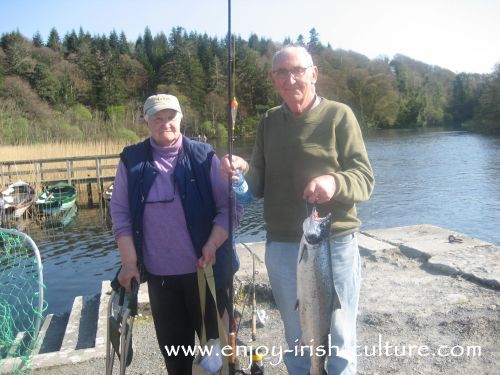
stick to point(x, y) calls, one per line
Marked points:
point(106, 196)
point(57, 204)
point(15, 201)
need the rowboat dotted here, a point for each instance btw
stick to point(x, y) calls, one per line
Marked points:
point(15, 200)
point(57, 203)
point(107, 195)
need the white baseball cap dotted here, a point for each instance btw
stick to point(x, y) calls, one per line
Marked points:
point(159, 102)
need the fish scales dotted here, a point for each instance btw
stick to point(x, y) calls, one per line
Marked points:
point(315, 289)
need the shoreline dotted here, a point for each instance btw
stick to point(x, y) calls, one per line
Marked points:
point(416, 293)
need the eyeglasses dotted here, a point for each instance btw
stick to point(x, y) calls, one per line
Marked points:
point(296, 72)
point(166, 200)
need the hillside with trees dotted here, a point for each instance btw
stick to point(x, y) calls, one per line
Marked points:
point(82, 87)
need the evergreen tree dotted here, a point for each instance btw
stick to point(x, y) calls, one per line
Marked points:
point(84, 37)
point(253, 42)
point(17, 53)
point(123, 45)
point(54, 42)
point(300, 40)
point(37, 40)
point(114, 42)
point(148, 45)
point(253, 88)
point(45, 84)
point(206, 57)
point(314, 45)
point(139, 49)
point(106, 73)
point(183, 68)
point(140, 53)
point(71, 42)
point(159, 51)
point(267, 47)
point(217, 79)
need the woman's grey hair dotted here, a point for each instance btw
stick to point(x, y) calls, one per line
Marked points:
point(289, 48)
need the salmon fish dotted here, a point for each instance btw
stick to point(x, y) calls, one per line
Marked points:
point(316, 296)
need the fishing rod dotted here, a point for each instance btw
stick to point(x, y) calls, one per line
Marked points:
point(256, 362)
point(230, 124)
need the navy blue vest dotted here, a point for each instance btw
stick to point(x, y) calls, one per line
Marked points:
point(192, 176)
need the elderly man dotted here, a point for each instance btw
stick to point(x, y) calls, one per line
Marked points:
point(311, 149)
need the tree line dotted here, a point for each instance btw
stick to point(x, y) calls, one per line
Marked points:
point(92, 87)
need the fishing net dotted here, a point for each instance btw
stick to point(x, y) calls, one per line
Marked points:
point(21, 301)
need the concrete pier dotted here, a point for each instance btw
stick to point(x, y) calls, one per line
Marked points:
point(402, 266)
point(456, 255)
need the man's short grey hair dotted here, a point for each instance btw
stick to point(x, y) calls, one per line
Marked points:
point(289, 48)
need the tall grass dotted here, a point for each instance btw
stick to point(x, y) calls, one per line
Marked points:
point(58, 150)
point(37, 152)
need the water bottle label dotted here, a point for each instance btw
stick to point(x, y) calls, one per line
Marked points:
point(241, 188)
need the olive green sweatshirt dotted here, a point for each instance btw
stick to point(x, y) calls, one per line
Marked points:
point(291, 150)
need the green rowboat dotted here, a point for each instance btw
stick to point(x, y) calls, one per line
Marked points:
point(57, 203)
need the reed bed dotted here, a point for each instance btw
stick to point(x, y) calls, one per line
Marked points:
point(80, 169)
point(58, 150)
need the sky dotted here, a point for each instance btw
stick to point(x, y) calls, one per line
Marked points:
point(459, 35)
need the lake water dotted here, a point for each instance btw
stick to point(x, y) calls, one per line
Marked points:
point(449, 179)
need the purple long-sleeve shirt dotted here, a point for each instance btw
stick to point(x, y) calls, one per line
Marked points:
point(167, 246)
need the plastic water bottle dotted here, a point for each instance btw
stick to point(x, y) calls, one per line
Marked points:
point(242, 190)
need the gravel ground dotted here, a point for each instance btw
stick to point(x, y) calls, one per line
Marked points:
point(403, 307)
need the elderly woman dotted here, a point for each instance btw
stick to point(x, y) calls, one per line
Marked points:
point(170, 216)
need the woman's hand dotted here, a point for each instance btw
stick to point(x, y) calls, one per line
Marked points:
point(217, 237)
point(128, 272)
point(129, 262)
point(208, 255)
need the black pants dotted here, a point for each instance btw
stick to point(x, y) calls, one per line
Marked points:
point(175, 306)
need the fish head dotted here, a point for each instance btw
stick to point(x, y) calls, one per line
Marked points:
point(316, 228)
